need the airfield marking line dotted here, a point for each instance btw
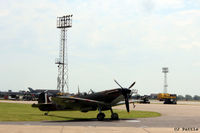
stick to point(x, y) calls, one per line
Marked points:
point(61, 131)
point(145, 130)
point(132, 121)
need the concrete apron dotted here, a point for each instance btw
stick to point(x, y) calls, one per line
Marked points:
point(79, 129)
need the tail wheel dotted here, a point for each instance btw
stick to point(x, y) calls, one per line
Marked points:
point(46, 113)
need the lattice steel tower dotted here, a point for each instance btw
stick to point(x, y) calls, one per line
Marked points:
point(165, 71)
point(63, 23)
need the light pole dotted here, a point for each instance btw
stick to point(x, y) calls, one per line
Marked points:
point(62, 81)
point(165, 71)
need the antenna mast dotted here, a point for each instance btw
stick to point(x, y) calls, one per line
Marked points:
point(63, 23)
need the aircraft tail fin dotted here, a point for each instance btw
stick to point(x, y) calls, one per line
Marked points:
point(43, 98)
point(30, 89)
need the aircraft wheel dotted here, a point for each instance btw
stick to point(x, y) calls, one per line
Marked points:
point(115, 116)
point(100, 116)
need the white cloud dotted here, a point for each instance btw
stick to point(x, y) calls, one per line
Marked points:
point(4, 13)
point(114, 38)
point(167, 4)
point(196, 64)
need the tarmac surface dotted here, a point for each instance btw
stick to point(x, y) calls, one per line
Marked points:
point(175, 118)
point(81, 129)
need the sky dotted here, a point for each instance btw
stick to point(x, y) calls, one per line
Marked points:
point(129, 40)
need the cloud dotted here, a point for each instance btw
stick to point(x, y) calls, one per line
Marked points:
point(108, 38)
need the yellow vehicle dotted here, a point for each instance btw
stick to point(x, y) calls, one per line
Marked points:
point(167, 98)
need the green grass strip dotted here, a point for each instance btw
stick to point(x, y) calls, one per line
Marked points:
point(24, 112)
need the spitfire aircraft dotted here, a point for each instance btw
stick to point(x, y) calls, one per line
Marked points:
point(102, 101)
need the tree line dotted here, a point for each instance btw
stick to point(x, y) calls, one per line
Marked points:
point(188, 97)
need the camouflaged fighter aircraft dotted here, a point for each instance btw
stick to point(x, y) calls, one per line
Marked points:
point(104, 100)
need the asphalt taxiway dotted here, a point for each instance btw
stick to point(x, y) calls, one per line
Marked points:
point(186, 115)
point(181, 116)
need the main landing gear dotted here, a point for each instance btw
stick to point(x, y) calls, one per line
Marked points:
point(114, 116)
point(101, 116)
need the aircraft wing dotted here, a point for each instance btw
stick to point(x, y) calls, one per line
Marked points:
point(123, 102)
point(78, 101)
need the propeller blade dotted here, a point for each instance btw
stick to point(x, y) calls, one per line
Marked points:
point(118, 84)
point(127, 104)
point(131, 85)
point(126, 94)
